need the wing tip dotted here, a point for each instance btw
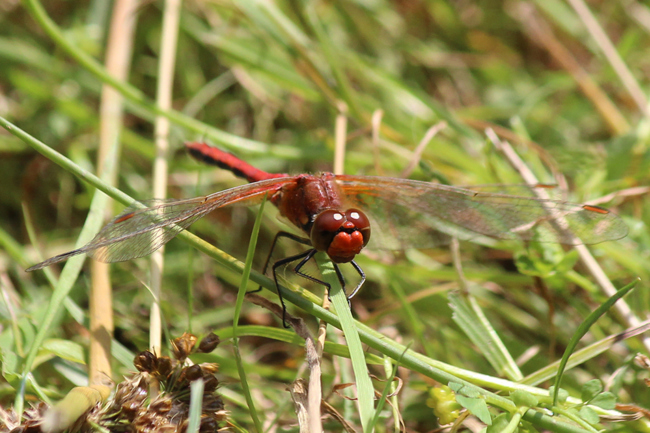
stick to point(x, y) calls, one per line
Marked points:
point(53, 260)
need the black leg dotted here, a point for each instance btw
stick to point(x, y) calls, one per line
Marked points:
point(339, 276)
point(296, 238)
point(299, 266)
point(278, 235)
point(363, 279)
point(341, 282)
point(305, 256)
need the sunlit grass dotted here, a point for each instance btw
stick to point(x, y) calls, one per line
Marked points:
point(267, 80)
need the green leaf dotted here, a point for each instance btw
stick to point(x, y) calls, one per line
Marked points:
point(523, 398)
point(196, 401)
point(27, 330)
point(65, 349)
point(589, 415)
point(591, 389)
point(10, 366)
point(477, 407)
point(539, 259)
point(568, 262)
point(605, 400)
point(499, 423)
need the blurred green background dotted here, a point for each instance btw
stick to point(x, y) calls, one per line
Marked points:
point(279, 73)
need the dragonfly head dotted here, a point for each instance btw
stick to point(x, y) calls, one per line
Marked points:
point(341, 235)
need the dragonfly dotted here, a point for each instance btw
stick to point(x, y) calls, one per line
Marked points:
point(341, 215)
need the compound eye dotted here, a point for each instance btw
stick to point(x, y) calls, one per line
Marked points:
point(361, 223)
point(326, 224)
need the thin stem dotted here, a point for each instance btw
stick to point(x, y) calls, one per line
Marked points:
point(168, 44)
point(611, 54)
point(118, 64)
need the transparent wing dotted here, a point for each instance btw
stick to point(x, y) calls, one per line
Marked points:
point(413, 214)
point(144, 227)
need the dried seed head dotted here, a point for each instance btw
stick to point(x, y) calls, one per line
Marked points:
point(212, 403)
point(209, 368)
point(146, 361)
point(31, 423)
point(161, 405)
point(183, 345)
point(208, 425)
point(130, 408)
point(164, 367)
point(133, 410)
point(211, 384)
point(193, 372)
point(150, 422)
point(209, 343)
point(130, 396)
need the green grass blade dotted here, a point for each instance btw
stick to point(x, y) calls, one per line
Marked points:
point(580, 356)
point(470, 318)
point(382, 399)
point(582, 330)
point(196, 403)
point(238, 306)
point(365, 389)
point(138, 98)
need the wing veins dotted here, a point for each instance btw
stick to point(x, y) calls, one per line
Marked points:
point(124, 237)
point(433, 207)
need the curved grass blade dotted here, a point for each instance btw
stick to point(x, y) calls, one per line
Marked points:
point(582, 330)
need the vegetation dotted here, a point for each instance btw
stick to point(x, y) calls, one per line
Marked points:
point(454, 92)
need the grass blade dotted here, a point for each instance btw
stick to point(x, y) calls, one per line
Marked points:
point(365, 389)
point(196, 403)
point(238, 306)
point(470, 318)
point(582, 330)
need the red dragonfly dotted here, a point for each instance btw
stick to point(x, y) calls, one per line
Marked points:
point(336, 213)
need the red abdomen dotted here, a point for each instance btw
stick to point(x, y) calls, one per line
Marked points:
point(230, 162)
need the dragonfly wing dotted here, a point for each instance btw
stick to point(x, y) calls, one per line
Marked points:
point(138, 231)
point(144, 227)
point(416, 214)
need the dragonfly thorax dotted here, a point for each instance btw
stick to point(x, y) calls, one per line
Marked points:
point(341, 235)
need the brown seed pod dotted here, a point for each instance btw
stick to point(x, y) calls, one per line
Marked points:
point(209, 343)
point(146, 361)
point(211, 384)
point(183, 345)
point(212, 403)
point(193, 372)
point(208, 425)
point(161, 405)
point(164, 367)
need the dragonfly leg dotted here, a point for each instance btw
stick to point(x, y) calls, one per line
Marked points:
point(278, 235)
point(299, 266)
point(305, 256)
point(340, 277)
point(363, 279)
